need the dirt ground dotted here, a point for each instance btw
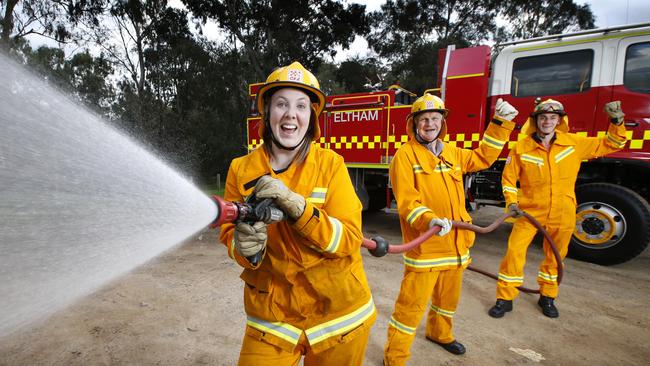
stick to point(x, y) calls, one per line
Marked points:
point(185, 308)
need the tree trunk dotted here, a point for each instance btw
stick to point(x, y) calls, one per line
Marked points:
point(7, 24)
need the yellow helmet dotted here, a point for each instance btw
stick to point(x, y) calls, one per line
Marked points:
point(427, 103)
point(547, 106)
point(293, 76)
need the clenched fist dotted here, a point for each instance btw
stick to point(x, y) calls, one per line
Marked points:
point(505, 110)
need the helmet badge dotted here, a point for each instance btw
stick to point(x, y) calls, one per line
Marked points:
point(294, 75)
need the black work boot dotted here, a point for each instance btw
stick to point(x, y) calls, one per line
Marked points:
point(500, 308)
point(454, 346)
point(548, 309)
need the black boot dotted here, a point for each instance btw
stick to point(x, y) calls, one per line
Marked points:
point(548, 308)
point(500, 308)
point(454, 346)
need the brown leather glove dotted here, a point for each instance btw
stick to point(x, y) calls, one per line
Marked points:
point(290, 202)
point(613, 109)
point(250, 240)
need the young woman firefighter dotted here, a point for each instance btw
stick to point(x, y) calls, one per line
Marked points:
point(546, 164)
point(308, 294)
point(427, 178)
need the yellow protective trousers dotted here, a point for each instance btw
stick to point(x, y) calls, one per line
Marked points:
point(350, 350)
point(443, 289)
point(511, 272)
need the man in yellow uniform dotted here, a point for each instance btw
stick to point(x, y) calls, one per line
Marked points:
point(307, 294)
point(546, 164)
point(427, 178)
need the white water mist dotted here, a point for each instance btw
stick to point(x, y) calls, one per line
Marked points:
point(80, 203)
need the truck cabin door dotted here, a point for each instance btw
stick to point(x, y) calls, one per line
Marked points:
point(632, 88)
point(564, 72)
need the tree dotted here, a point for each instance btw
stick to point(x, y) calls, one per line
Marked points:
point(277, 32)
point(402, 26)
point(361, 74)
point(546, 17)
point(53, 19)
point(408, 32)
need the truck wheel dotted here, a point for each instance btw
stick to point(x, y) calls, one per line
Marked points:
point(612, 224)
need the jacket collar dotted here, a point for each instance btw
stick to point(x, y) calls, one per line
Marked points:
point(258, 163)
point(427, 160)
point(529, 143)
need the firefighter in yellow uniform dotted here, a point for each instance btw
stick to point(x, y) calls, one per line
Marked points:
point(427, 178)
point(546, 164)
point(306, 293)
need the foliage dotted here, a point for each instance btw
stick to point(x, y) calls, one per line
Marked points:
point(55, 19)
point(408, 32)
point(276, 32)
point(147, 67)
point(545, 17)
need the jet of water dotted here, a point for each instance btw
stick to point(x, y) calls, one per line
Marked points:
point(80, 202)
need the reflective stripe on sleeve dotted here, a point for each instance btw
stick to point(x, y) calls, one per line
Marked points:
point(510, 189)
point(231, 250)
point(335, 240)
point(616, 142)
point(317, 195)
point(415, 213)
point(493, 142)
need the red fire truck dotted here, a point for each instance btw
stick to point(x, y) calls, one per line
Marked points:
point(583, 70)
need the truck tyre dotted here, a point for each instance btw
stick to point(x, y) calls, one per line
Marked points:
point(612, 224)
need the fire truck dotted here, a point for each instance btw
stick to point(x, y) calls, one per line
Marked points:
point(583, 70)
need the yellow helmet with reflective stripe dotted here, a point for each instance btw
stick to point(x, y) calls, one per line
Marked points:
point(292, 76)
point(427, 103)
point(547, 106)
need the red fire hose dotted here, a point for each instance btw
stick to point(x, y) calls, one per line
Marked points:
point(379, 247)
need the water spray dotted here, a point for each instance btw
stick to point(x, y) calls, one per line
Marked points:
point(81, 203)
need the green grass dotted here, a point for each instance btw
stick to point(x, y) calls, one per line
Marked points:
point(213, 190)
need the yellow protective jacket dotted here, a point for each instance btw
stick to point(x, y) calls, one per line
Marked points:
point(427, 187)
point(311, 278)
point(547, 177)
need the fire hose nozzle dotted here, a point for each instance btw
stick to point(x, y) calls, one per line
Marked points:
point(226, 212)
point(246, 211)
